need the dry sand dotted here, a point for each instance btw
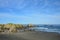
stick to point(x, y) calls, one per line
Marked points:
point(30, 36)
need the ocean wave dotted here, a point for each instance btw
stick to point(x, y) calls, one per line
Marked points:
point(45, 29)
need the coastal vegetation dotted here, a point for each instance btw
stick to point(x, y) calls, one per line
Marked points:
point(10, 27)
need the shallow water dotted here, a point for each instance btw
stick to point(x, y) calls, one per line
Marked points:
point(46, 29)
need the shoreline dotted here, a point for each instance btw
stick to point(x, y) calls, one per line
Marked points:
point(30, 36)
point(28, 31)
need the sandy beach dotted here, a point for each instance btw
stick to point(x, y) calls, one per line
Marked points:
point(30, 36)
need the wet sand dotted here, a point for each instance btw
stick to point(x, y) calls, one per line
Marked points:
point(30, 36)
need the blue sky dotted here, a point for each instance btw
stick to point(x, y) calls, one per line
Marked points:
point(30, 11)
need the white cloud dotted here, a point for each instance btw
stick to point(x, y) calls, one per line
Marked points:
point(13, 3)
point(45, 15)
point(32, 18)
point(20, 4)
point(7, 15)
point(29, 16)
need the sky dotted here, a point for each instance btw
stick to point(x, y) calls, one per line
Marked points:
point(30, 11)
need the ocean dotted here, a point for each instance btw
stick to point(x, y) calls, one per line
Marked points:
point(47, 28)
